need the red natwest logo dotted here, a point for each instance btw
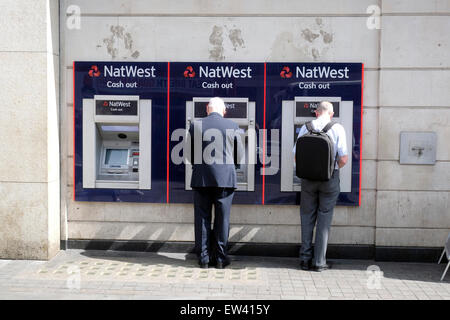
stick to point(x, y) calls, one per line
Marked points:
point(189, 72)
point(94, 72)
point(286, 72)
point(105, 103)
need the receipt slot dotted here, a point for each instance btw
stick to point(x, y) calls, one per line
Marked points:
point(116, 142)
point(297, 112)
point(242, 112)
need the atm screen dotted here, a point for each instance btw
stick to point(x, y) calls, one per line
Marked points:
point(200, 109)
point(115, 157)
point(308, 108)
point(235, 110)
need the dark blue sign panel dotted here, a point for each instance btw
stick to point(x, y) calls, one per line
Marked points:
point(278, 97)
point(242, 85)
point(146, 80)
point(303, 86)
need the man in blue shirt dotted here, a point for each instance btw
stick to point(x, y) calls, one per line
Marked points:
point(318, 198)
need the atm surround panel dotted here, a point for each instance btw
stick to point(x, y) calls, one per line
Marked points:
point(115, 133)
point(243, 114)
point(119, 157)
point(295, 113)
point(304, 111)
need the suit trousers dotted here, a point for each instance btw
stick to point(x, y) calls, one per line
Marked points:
point(212, 247)
point(317, 202)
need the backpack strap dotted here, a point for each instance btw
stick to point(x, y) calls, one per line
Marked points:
point(328, 126)
point(325, 129)
point(309, 126)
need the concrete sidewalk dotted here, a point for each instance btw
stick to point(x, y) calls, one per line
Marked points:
point(79, 274)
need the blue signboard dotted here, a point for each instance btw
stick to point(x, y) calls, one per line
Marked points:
point(146, 80)
point(272, 100)
point(194, 83)
point(300, 87)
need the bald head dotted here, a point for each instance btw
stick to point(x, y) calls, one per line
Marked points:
point(216, 105)
point(325, 108)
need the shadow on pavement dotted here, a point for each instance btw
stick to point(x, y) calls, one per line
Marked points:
point(426, 272)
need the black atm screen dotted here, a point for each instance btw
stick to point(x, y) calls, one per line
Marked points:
point(307, 108)
point(116, 107)
point(235, 110)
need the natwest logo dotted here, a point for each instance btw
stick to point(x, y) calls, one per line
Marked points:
point(189, 72)
point(311, 105)
point(286, 72)
point(321, 72)
point(129, 71)
point(225, 72)
point(94, 72)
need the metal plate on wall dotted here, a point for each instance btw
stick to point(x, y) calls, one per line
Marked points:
point(417, 147)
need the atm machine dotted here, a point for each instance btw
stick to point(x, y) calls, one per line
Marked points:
point(117, 142)
point(241, 111)
point(297, 112)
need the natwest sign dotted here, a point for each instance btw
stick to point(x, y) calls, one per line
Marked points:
point(322, 72)
point(224, 72)
point(116, 107)
point(129, 71)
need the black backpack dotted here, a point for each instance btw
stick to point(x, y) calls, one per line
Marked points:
point(314, 154)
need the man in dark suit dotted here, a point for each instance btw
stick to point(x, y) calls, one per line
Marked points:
point(216, 145)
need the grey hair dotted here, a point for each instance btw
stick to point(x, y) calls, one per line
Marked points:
point(325, 106)
point(216, 104)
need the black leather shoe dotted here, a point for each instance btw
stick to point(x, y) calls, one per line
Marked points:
point(212, 263)
point(203, 265)
point(326, 266)
point(305, 265)
point(222, 265)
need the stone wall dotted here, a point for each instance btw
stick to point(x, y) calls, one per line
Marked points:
point(29, 158)
point(413, 200)
point(407, 72)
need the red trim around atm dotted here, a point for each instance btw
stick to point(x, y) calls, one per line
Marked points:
point(361, 132)
point(264, 141)
point(73, 138)
point(168, 132)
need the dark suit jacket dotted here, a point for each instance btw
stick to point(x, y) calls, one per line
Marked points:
point(218, 171)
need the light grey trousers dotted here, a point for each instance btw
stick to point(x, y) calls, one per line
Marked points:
point(317, 202)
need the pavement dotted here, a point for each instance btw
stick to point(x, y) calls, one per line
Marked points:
point(95, 275)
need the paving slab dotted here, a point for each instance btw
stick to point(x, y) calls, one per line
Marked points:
point(93, 275)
